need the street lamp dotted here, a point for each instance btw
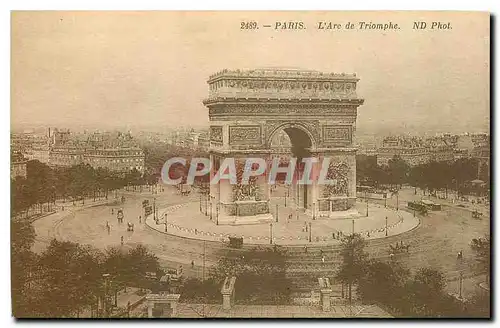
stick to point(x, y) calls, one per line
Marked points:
point(154, 208)
point(166, 223)
point(105, 300)
point(397, 200)
point(386, 226)
point(217, 213)
point(459, 262)
point(271, 233)
point(276, 212)
point(310, 232)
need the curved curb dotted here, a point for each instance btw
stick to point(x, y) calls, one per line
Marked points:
point(250, 244)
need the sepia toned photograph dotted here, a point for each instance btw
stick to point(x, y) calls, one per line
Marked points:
point(250, 164)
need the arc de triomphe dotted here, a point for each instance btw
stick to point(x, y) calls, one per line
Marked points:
point(316, 110)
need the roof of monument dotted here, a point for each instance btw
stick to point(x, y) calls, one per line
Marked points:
point(280, 73)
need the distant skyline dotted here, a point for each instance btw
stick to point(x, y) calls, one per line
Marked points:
point(149, 69)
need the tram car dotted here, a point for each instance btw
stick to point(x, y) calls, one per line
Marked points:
point(418, 206)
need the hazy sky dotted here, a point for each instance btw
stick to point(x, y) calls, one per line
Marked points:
point(150, 68)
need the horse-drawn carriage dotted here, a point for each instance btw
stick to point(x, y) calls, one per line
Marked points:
point(399, 248)
point(233, 242)
point(476, 214)
point(119, 215)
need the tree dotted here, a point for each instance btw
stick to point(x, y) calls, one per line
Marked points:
point(140, 261)
point(260, 273)
point(426, 293)
point(71, 278)
point(354, 260)
point(482, 249)
point(23, 263)
point(383, 282)
point(398, 170)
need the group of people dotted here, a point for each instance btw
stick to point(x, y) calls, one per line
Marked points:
point(130, 226)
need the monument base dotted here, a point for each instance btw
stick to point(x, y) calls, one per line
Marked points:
point(245, 220)
point(338, 215)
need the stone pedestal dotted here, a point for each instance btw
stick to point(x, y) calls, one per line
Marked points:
point(170, 300)
point(227, 292)
point(326, 292)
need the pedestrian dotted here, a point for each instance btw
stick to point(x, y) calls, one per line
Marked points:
point(323, 259)
point(305, 249)
point(112, 211)
point(122, 240)
point(140, 219)
point(192, 264)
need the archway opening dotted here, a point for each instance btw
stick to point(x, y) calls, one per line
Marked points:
point(293, 142)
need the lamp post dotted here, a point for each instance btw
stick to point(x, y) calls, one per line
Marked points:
point(217, 213)
point(271, 233)
point(460, 283)
point(166, 223)
point(314, 211)
point(105, 299)
point(397, 200)
point(211, 211)
point(310, 232)
point(200, 204)
point(154, 208)
point(366, 200)
point(276, 212)
point(353, 227)
point(386, 226)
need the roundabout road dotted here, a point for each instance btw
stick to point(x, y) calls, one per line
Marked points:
point(435, 242)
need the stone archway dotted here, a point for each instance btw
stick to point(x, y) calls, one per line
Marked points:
point(317, 110)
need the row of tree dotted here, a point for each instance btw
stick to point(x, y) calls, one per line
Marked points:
point(68, 277)
point(261, 279)
point(44, 185)
point(406, 294)
point(455, 175)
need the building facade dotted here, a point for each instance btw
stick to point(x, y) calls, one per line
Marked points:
point(116, 159)
point(18, 166)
